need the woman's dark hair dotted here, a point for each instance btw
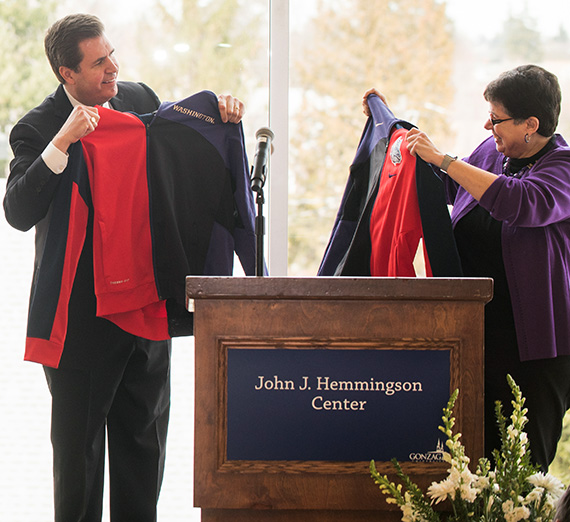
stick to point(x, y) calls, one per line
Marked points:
point(525, 91)
point(63, 38)
point(563, 510)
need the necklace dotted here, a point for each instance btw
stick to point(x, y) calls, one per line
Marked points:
point(515, 167)
point(515, 170)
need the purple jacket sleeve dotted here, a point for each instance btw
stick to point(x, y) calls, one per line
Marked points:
point(538, 199)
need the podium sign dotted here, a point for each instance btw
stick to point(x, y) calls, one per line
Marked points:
point(336, 404)
point(300, 382)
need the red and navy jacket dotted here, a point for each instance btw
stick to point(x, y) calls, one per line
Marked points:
point(170, 197)
point(390, 202)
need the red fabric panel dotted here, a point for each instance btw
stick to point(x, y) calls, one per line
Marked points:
point(116, 158)
point(395, 223)
point(48, 351)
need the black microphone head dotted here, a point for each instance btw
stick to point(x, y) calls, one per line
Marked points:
point(264, 132)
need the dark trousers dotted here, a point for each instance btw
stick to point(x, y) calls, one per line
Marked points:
point(124, 392)
point(545, 385)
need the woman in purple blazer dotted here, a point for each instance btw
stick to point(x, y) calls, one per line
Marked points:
point(511, 220)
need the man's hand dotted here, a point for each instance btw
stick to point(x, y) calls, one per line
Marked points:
point(81, 122)
point(231, 109)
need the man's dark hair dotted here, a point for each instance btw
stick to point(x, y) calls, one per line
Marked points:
point(525, 91)
point(63, 38)
point(563, 510)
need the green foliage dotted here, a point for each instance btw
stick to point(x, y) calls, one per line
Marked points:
point(513, 490)
point(25, 75)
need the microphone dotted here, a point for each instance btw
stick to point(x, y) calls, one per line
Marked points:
point(262, 151)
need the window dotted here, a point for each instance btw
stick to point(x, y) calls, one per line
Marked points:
point(301, 67)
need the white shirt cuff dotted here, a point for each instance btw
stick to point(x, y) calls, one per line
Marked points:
point(54, 158)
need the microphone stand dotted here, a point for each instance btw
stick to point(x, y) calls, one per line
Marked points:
point(258, 177)
point(259, 233)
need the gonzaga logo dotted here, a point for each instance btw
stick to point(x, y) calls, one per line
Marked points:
point(395, 152)
point(430, 456)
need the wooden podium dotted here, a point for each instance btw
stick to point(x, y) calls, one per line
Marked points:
point(240, 321)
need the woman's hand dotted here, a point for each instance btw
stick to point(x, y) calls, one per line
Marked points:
point(420, 145)
point(365, 107)
point(473, 179)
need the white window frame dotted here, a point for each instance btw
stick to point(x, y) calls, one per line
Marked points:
point(277, 232)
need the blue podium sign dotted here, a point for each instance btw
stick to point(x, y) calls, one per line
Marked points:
point(346, 405)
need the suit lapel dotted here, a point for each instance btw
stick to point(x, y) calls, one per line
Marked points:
point(62, 105)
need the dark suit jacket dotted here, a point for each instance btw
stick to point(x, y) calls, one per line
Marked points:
point(31, 187)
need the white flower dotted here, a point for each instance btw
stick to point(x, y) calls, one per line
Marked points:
point(468, 493)
point(551, 502)
point(466, 482)
point(409, 513)
point(454, 477)
point(534, 496)
point(478, 494)
point(439, 491)
point(481, 482)
point(514, 514)
point(550, 483)
point(521, 513)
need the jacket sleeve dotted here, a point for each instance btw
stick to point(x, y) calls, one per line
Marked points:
point(450, 186)
point(31, 185)
point(244, 233)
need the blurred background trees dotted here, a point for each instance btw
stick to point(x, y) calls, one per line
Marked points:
point(351, 46)
point(25, 75)
point(193, 45)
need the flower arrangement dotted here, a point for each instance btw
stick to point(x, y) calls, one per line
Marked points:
point(513, 490)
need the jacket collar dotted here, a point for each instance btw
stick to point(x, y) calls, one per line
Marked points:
point(62, 105)
point(120, 104)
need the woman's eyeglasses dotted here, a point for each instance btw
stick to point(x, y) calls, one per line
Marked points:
point(497, 121)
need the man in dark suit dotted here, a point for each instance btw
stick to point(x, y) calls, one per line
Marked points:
point(105, 380)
